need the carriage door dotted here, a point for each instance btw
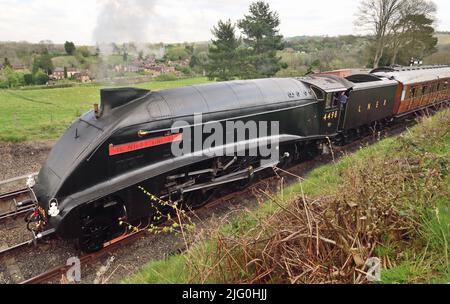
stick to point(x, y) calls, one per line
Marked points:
point(331, 113)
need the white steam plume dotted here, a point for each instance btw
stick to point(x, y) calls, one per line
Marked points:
point(122, 21)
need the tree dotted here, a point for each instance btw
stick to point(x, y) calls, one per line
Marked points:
point(419, 40)
point(69, 47)
point(222, 52)
point(261, 41)
point(141, 55)
point(66, 75)
point(115, 49)
point(379, 16)
point(28, 78)
point(189, 49)
point(6, 63)
point(11, 76)
point(40, 77)
point(84, 51)
point(43, 62)
point(414, 25)
point(199, 62)
point(314, 65)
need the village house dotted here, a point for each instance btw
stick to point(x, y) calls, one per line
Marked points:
point(167, 69)
point(132, 68)
point(150, 66)
point(181, 63)
point(82, 77)
point(154, 71)
point(289, 50)
point(19, 67)
point(58, 73)
point(127, 68)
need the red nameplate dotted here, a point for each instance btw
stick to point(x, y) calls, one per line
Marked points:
point(143, 144)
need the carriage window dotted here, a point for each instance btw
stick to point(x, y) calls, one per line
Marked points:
point(418, 92)
point(412, 93)
point(318, 93)
point(403, 95)
point(438, 88)
point(445, 85)
point(328, 103)
point(425, 90)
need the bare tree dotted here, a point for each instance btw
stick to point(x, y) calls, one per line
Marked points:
point(379, 17)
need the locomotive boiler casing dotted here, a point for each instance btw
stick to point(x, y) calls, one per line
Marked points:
point(81, 171)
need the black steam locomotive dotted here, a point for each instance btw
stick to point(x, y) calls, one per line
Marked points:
point(95, 173)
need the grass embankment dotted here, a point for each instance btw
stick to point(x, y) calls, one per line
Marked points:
point(389, 200)
point(46, 113)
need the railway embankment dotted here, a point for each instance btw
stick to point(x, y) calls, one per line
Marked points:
point(379, 214)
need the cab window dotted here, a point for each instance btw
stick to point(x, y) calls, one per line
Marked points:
point(329, 101)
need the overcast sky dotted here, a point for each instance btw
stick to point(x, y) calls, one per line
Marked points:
point(89, 21)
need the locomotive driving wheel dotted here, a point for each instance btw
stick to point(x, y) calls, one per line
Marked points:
point(100, 227)
point(197, 199)
point(94, 233)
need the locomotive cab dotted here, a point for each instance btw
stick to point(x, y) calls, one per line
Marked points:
point(328, 90)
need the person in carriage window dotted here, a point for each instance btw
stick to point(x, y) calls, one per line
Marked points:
point(343, 99)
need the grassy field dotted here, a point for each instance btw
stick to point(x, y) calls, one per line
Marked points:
point(393, 198)
point(443, 39)
point(45, 113)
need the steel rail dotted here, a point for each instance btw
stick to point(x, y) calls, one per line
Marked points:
point(14, 213)
point(13, 194)
point(12, 248)
point(62, 269)
point(15, 179)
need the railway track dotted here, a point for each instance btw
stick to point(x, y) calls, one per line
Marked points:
point(13, 194)
point(61, 270)
point(14, 205)
point(17, 207)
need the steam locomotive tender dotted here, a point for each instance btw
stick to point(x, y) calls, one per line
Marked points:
point(96, 171)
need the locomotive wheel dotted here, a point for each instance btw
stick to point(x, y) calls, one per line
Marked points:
point(160, 217)
point(244, 183)
point(197, 199)
point(95, 232)
point(310, 151)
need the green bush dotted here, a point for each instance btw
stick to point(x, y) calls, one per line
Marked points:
point(12, 78)
point(40, 77)
point(185, 70)
point(166, 77)
point(28, 78)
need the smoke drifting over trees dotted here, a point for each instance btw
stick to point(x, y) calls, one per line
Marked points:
point(124, 21)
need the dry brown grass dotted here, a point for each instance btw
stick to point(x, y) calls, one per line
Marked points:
point(328, 239)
